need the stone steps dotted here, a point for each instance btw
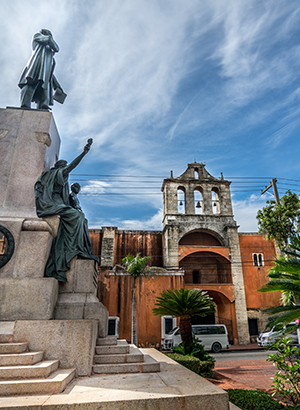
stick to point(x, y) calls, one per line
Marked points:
point(42, 369)
point(21, 359)
point(107, 341)
point(134, 356)
point(117, 356)
point(149, 365)
point(13, 348)
point(55, 383)
point(23, 372)
point(122, 347)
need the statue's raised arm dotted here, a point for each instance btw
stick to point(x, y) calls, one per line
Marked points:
point(78, 159)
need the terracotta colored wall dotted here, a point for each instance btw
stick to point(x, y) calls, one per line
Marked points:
point(115, 292)
point(146, 243)
point(256, 276)
point(96, 240)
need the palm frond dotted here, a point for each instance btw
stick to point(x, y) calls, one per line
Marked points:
point(184, 302)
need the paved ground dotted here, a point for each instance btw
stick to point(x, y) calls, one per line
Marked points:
point(253, 373)
point(174, 387)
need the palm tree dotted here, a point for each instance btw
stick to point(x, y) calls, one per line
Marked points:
point(184, 303)
point(135, 266)
point(285, 277)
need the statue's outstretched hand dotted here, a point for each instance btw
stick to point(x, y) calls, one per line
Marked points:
point(88, 145)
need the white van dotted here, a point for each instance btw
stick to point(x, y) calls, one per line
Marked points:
point(270, 335)
point(212, 337)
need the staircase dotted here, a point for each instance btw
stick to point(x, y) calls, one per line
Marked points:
point(24, 372)
point(117, 356)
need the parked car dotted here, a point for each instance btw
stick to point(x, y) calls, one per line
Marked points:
point(213, 337)
point(270, 335)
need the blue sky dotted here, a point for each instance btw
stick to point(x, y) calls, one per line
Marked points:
point(159, 84)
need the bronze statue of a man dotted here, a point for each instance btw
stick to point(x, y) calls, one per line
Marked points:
point(37, 81)
point(52, 198)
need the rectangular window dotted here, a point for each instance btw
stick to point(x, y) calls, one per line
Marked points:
point(258, 259)
point(196, 276)
point(253, 328)
point(167, 324)
point(113, 326)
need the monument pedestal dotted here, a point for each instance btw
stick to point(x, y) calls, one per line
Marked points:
point(29, 145)
point(77, 297)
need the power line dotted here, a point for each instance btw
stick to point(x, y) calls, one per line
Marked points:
point(119, 176)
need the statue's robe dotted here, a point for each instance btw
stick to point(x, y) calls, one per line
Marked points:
point(40, 67)
point(52, 198)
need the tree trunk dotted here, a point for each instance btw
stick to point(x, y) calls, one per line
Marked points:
point(133, 318)
point(185, 326)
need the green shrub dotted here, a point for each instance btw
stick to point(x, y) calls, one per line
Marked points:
point(287, 379)
point(195, 348)
point(202, 367)
point(255, 400)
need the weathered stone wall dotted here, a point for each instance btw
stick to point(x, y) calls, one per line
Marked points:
point(112, 245)
point(216, 219)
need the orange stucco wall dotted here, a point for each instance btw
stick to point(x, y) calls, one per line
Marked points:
point(115, 293)
point(256, 276)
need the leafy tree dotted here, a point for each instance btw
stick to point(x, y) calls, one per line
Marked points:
point(135, 266)
point(184, 303)
point(285, 277)
point(280, 221)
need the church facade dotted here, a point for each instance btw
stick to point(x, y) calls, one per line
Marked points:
point(199, 247)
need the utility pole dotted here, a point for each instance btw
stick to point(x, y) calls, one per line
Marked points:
point(275, 191)
point(277, 200)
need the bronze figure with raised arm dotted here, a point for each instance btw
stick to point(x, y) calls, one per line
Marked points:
point(52, 198)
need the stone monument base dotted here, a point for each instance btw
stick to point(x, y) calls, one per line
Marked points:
point(77, 297)
point(27, 298)
point(72, 342)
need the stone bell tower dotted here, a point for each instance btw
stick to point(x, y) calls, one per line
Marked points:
point(196, 204)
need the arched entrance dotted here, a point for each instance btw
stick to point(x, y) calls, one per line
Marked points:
point(223, 314)
point(206, 268)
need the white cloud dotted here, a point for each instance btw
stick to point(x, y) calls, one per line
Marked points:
point(245, 212)
point(153, 223)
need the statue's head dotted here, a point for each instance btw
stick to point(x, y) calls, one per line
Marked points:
point(75, 188)
point(46, 32)
point(61, 163)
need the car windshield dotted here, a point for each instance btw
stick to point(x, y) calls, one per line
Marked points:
point(267, 329)
point(277, 328)
point(172, 331)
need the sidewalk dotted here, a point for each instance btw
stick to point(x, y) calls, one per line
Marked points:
point(251, 346)
point(244, 374)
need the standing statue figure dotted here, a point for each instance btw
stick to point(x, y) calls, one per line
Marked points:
point(37, 81)
point(52, 198)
